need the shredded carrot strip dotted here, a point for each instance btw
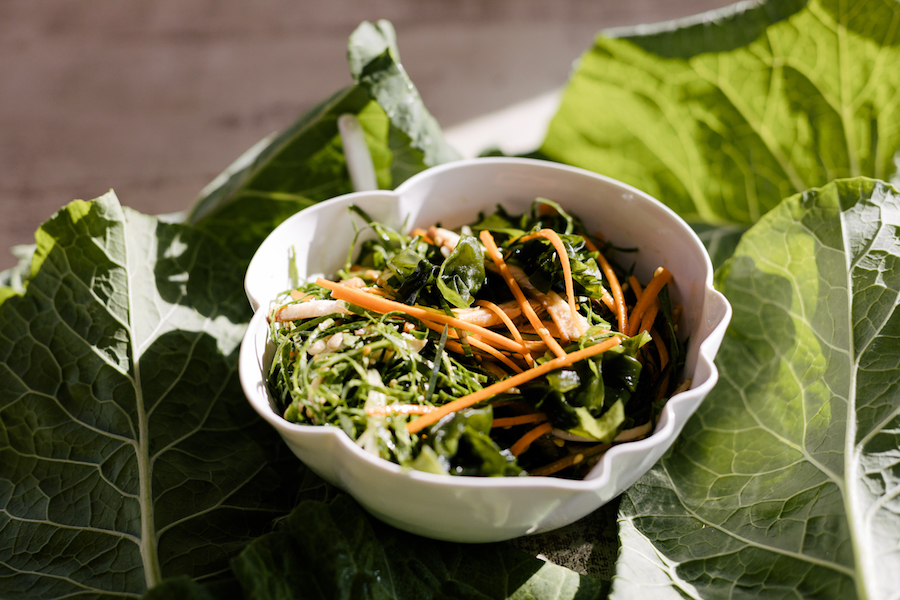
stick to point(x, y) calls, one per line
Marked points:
point(568, 461)
point(661, 348)
point(384, 305)
point(486, 348)
point(418, 231)
point(638, 291)
point(526, 440)
point(536, 346)
point(614, 286)
point(649, 317)
point(537, 417)
point(608, 301)
point(452, 333)
point(663, 361)
point(474, 341)
point(550, 326)
point(660, 278)
point(560, 248)
point(488, 240)
point(402, 409)
point(513, 330)
point(510, 382)
point(635, 286)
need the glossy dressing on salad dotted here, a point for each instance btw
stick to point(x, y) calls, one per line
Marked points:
point(514, 346)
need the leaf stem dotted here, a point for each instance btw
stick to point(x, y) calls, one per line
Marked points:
point(852, 449)
point(149, 556)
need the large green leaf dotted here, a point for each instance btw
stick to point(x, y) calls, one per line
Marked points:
point(335, 550)
point(305, 163)
point(723, 117)
point(786, 483)
point(302, 165)
point(127, 450)
point(375, 65)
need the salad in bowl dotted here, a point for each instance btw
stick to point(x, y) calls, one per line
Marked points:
point(507, 343)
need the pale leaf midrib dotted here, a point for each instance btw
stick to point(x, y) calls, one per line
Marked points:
point(851, 450)
point(148, 547)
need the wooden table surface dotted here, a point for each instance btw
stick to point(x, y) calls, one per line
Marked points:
point(153, 98)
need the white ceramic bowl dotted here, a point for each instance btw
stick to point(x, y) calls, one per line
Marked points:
point(475, 509)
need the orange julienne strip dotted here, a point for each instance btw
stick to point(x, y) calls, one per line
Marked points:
point(568, 461)
point(661, 278)
point(537, 417)
point(608, 301)
point(418, 231)
point(550, 326)
point(488, 240)
point(661, 348)
point(384, 305)
point(614, 286)
point(452, 334)
point(635, 286)
point(477, 343)
point(526, 440)
point(649, 317)
point(560, 248)
point(510, 382)
point(486, 348)
point(513, 330)
point(495, 353)
point(663, 361)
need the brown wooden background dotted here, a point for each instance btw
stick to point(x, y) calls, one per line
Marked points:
point(153, 98)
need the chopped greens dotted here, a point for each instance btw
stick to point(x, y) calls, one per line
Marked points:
point(420, 321)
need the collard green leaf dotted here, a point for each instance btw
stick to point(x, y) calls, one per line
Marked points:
point(786, 482)
point(127, 450)
point(302, 165)
point(329, 548)
point(722, 118)
point(336, 550)
point(305, 163)
point(375, 65)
